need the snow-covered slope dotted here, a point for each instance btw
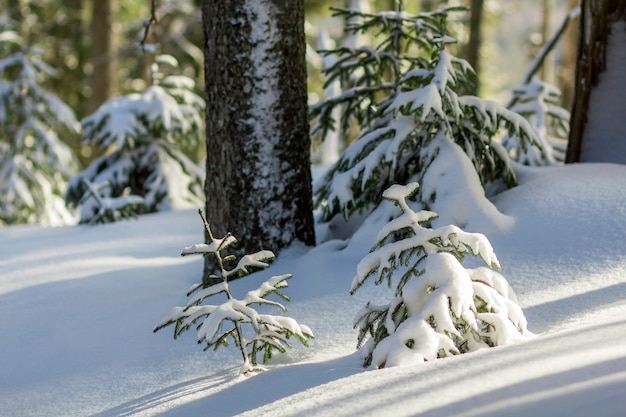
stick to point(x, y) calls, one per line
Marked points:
point(78, 304)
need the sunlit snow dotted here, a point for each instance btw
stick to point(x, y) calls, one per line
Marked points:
point(78, 305)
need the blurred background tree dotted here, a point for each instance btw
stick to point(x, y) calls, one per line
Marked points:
point(94, 45)
point(93, 42)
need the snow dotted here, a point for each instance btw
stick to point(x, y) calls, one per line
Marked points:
point(78, 305)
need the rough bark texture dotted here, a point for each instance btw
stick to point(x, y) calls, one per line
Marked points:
point(258, 148)
point(595, 27)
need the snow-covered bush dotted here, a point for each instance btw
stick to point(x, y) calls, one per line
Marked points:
point(139, 135)
point(263, 332)
point(440, 308)
point(35, 164)
point(539, 103)
point(409, 91)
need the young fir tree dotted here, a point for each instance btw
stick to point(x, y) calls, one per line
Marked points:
point(264, 333)
point(35, 164)
point(139, 135)
point(409, 91)
point(439, 307)
point(539, 103)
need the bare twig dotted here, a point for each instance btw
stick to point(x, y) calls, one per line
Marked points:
point(147, 24)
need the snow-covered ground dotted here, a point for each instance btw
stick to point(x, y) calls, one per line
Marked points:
point(78, 305)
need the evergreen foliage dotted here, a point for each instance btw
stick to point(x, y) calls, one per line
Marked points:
point(35, 164)
point(439, 307)
point(405, 91)
point(109, 209)
point(267, 332)
point(539, 103)
point(139, 135)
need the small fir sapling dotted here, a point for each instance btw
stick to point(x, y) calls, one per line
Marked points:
point(409, 91)
point(139, 135)
point(252, 332)
point(35, 164)
point(439, 307)
point(539, 103)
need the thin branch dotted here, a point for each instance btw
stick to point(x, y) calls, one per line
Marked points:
point(147, 24)
point(547, 48)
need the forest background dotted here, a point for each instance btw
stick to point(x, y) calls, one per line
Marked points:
point(94, 46)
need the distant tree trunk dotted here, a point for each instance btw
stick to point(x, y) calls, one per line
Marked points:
point(102, 52)
point(565, 74)
point(598, 19)
point(475, 41)
point(547, 69)
point(258, 149)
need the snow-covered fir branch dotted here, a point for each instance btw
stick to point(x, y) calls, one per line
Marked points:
point(236, 319)
point(35, 164)
point(104, 209)
point(409, 93)
point(539, 103)
point(439, 307)
point(139, 136)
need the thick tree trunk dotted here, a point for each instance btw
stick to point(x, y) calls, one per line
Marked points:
point(597, 20)
point(258, 182)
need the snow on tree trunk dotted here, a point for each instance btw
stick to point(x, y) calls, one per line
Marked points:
point(258, 149)
point(598, 130)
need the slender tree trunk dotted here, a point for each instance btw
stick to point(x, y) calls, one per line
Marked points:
point(547, 69)
point(565, 74)
point(475, 41)
point(102, 52)
point(258, 149)
point(596, 23)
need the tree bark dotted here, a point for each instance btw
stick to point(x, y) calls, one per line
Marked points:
point(102, 52)
point(547, 69)
point(258, 182)
point(473, 48)
point(595, 27)
point(566, 70)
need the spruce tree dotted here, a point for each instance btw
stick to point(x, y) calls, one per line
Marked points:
point(219, 323)
point(139, 136)
point(35, 163)
point(539, 103)
point(406, 93)
point(439, 308)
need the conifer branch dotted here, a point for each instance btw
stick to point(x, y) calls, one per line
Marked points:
point(440, 308)
point(268, 331)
